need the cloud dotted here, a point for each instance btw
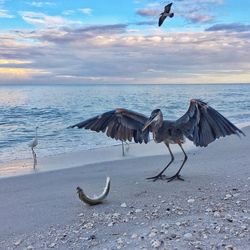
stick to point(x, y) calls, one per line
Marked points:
point(199, 18)
point(8, 62)
point(191, 2)
point(5, 14)
point(198, 11)
point(147, 12)
point(40, 4)
point(113, 54)
point(68, 12)
point(230, 27)
point(19, 73)
point(41, 19)
point(79, 35)
point(86, 11)
point(144, 23)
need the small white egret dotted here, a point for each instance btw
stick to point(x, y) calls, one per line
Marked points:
point(32, 144)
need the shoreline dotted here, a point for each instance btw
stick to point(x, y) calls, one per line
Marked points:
point(86, 157)
point(91, 156)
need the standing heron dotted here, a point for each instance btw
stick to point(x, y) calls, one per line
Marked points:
point(32, 144)
point(165, 14)
point(201, 124)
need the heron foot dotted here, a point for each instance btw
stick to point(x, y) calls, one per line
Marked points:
point(176, 176)
point(157, 177)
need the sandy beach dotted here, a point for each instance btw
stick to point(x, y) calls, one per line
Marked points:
point(209, 210)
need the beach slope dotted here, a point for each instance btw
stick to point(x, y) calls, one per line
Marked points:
point(209, 210)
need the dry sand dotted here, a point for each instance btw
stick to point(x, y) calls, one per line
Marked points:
point(209, 210)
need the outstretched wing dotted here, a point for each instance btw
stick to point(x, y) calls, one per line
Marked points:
point(120, 124)
point(161, 20)
point(168, 8)
point(202, 124)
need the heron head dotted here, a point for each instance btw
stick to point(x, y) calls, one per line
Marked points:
point(78, 190)
point(154, 117)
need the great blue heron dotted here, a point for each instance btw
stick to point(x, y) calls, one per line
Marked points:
point(201, 124)
point(32, 144)
point(165, 14)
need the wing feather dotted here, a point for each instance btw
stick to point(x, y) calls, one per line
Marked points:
point(161, 20)
point(168, 7)
point(120, 124)
point(202, 124)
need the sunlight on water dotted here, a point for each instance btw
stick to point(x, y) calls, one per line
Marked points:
point(11, 97)
point(53, 108)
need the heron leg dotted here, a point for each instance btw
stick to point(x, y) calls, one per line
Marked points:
point(177, 175)
point(160, 175)
point(123, 153)
point(127, 146)
point(34, 158)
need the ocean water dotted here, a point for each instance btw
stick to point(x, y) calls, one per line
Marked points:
point(54, 107)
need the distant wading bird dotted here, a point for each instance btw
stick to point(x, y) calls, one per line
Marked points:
point(165, 14)
point(201, 124)
point(32, 144)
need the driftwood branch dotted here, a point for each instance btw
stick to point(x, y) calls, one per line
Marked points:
point(95, 200)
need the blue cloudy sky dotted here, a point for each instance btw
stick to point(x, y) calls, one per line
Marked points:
point(119, 41)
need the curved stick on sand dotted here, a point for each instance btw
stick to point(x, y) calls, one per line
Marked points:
point(95, 200)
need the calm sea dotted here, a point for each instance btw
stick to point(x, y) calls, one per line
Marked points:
point(55, 107)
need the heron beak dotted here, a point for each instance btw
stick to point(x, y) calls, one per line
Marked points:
point(148, 122)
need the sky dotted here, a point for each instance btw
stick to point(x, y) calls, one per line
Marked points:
point(119, 41)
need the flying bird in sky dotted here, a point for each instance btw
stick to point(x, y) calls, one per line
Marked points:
point(165, 14)
point(201, 124)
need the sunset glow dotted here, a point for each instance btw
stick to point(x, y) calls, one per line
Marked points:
point(111, 42)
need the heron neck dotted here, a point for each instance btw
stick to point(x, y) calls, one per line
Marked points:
point(158, 123)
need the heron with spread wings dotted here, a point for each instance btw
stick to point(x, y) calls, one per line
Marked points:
point(201, 124)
